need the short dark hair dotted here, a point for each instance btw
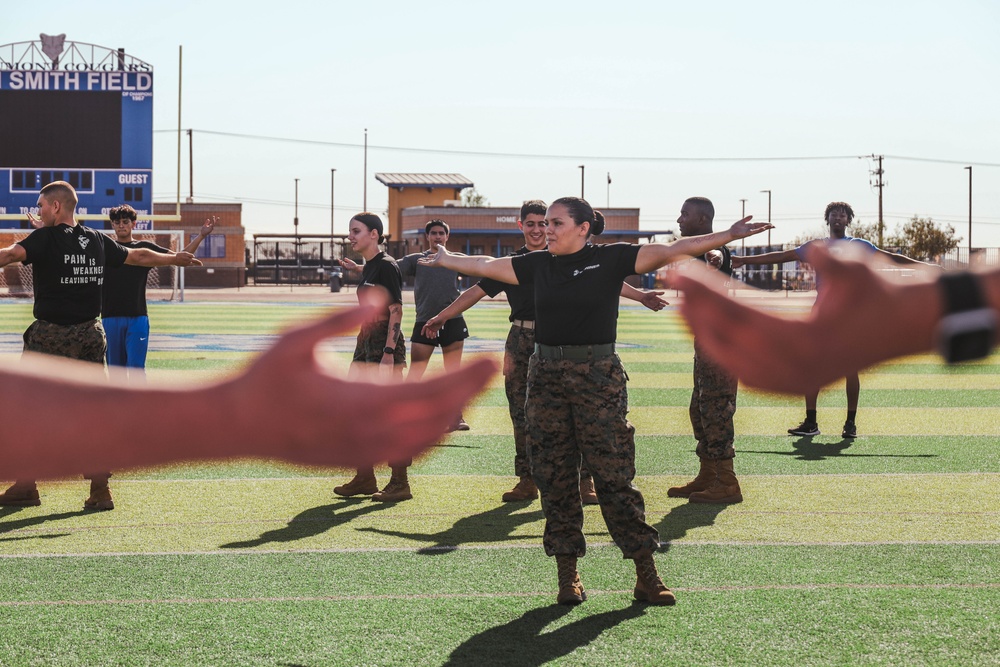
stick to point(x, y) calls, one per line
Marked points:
point(842, 205)
point(536, 206)
point(62, 192)
point(123, 211)
point(582, 212)
point(431, 224)
point(372, 222)
point(704, 205)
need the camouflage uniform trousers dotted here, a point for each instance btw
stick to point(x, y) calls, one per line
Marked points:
point(84, 341)
point(518, 349)
point(574, 409)
point(372, 341)
point(713, 404)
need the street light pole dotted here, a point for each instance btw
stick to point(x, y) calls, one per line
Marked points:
point(296, 219)
point(743, 214)
point(332, 258)
point(768, 216)
point(364, 180)
point(581, 182)
point(970, 212)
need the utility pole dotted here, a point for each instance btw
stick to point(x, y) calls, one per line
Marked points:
point(296, 219)
point(768, 215)
point(879, 183)
point(333, 260)
point(970, 213)
point(364, 200)
point(581, 182)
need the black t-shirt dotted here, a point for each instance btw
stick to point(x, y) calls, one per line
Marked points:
point(124, 293)
point(520, 297)
point(576, 296)
point(67, 268)
point(381, 271)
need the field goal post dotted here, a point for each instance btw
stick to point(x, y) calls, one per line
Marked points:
point(164, 283)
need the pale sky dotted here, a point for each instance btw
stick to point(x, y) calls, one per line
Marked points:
point(673, 99)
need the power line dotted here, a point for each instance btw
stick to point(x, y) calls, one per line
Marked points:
point(550, 156)
point(523, 156)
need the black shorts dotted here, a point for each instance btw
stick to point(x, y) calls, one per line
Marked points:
point(453, 331)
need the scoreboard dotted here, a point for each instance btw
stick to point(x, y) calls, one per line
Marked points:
point(84, 116)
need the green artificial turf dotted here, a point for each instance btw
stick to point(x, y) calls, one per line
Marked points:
point(882, 550)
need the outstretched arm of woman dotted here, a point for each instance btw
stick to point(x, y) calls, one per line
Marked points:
point(655, 255)
point(473, 265)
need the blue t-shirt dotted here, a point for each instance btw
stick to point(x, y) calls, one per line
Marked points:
point(833, 244)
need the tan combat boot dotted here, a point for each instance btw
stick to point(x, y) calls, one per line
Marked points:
point(725, 490)
point(363, 484)
point(588, 494)
point(100, 494)
point(525, 489)
point(705, 478)
point(23, 493)
point(398, 488)
point(648, 585)
point(570, 587)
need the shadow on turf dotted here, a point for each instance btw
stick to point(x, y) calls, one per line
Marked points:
point(676, 523)
point(494, 525)
point(313, 521)
point(20, 524)
point(523, 642)
point(806, 449)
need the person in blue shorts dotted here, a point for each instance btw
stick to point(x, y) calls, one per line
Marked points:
point(838, 216)
point(123, 296)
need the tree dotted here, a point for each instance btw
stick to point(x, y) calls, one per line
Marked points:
point(802, 239)
point(861, 230)
point(922, 238)
point(472, 197)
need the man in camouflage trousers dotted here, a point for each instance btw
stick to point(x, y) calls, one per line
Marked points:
point(713, 399)
point(68, 261)
point(84, 341)
point(581, 404)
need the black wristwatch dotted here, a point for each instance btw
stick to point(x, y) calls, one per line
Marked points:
point(388, 350)
point(969, 326)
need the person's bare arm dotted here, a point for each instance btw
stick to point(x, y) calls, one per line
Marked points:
point(862, 316)
point(465, 300)
point(501, 269)
point(655, 255)
point(395, 324)
point(146, 257)
point(206, 229)
point(903, 259)
point(652, 299)
point(12, 254)
point(284, 405)
point(776, 257)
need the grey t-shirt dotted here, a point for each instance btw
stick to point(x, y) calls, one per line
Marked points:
point(434, 287)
